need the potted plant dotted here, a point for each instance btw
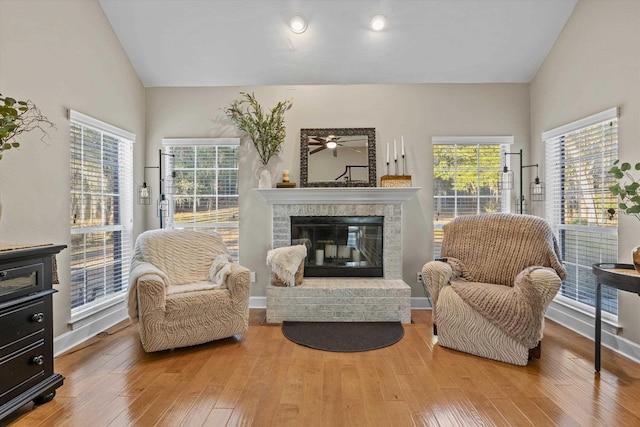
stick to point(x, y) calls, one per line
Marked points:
point(265, 129)
point(18, 117)
point(627, 189)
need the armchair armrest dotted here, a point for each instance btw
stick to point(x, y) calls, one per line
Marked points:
point(435, 276)
point(238, 283)
point(152, 295)
point(147, 289)
point(546, 282)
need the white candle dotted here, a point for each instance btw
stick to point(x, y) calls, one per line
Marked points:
point(402, 137)
point(395, 152)
point(387, 152)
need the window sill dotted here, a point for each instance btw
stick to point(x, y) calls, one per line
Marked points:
point(580, 320)
point(88, 315)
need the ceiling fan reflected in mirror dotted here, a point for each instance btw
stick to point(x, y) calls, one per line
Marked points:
point(332, 142)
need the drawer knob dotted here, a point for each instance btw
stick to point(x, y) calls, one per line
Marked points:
point(37, 360)
point(38, 317)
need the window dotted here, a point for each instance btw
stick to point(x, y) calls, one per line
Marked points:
point(578, 156)
point(101, 212)
point(466, 176)
point(204, 191)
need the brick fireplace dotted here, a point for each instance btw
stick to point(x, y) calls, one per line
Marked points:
point(344, 298)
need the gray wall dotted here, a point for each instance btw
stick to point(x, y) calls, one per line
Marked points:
point(61, 55)
point(595, 65)
point(416, 112)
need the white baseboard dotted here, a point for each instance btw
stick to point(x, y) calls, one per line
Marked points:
point(257, 302)
point(88, 330)
point(421, 303)
point(576, 322)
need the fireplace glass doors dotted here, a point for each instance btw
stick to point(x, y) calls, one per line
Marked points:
point(340, 246)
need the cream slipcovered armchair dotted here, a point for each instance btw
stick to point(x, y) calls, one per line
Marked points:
point(489, 296)
point(186, 290)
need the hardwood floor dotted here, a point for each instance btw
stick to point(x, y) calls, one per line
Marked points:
point(265, 380)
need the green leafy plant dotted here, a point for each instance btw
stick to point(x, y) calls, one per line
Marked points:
point(626, 188)
point(266, 129)
point(18, 117)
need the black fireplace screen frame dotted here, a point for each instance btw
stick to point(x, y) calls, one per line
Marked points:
point(340, 246)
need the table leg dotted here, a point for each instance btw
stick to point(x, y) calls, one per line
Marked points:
point(598, 323)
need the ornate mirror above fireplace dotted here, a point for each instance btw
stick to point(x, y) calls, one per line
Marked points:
point(342, 157)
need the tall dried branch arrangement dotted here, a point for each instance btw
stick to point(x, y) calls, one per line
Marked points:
point(265, 129)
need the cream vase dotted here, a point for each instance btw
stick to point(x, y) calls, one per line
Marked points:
point(264, 178)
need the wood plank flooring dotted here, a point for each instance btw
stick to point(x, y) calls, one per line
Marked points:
point(263, 379)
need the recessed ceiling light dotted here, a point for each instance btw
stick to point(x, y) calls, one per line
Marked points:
point(298, 24)
point(377, 22)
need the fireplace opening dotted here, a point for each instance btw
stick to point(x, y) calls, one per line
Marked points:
point(340, 246)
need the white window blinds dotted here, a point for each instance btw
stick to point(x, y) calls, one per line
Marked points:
point(101, 212)
point(204, 194)
point(578, 157)
point(466, 176)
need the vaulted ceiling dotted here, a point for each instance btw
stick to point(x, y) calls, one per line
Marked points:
point(248, 42)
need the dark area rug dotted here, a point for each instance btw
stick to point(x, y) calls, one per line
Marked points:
point(343, 336)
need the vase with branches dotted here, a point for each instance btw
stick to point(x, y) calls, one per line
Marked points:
point(627, 188)
point(18, 117)
point(266, 129)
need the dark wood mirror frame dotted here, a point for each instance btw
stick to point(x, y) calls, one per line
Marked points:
point(324, 132)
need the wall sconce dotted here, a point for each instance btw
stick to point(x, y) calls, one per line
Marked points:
point(536, 192)
point(144, 194)
point(298, 24)
point(144, 191)
point(165, 185)
point(523, 207)
point(507, 178)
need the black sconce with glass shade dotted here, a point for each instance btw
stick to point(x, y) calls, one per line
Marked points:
point(165, 186)
point(144, 191)
point(537, 189)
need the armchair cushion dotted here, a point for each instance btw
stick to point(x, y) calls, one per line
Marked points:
point(516, 310)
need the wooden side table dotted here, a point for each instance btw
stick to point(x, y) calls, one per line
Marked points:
point(619, 276)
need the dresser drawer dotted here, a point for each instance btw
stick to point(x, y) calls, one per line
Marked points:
point(21, 322)
point(18, 280)
point(21, 370)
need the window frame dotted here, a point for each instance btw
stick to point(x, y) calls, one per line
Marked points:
point(554, 140)
point(124, 215)
point(504, 142)
point(167, 158)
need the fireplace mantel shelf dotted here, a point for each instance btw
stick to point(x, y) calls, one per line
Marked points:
point(344, 195)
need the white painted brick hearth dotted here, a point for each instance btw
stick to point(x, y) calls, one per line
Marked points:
point(321, 299)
